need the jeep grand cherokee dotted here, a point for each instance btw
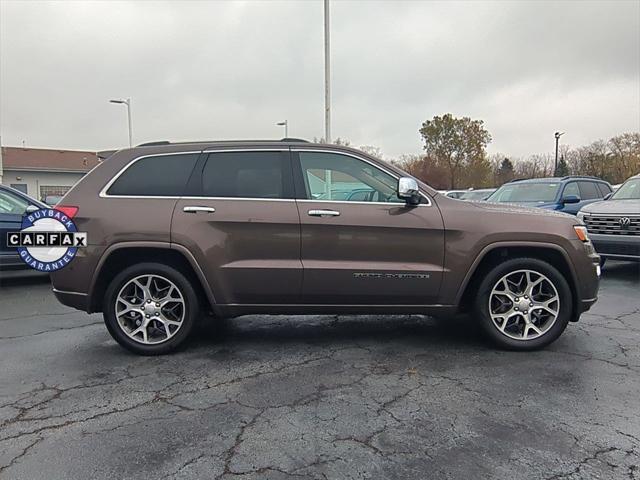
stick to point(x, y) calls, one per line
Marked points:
point(253, 227)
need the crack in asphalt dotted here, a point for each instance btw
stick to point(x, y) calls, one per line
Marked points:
point(39, 314)
point(407, 406)
point(52, 330)
point(585, 461)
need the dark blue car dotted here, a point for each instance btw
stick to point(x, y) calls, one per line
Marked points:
point(564, 194)
point(13, 205)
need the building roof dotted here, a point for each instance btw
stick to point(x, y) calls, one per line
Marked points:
point(47, 160)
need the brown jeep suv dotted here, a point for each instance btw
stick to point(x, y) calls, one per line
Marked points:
point(176, 230)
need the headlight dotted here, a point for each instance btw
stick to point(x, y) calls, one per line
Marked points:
point(580, 216)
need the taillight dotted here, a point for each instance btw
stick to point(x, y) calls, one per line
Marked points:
point(68, 210)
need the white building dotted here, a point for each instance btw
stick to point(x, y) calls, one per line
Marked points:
point(40, 172)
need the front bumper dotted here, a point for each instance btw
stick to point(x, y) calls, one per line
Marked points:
point(621, 247)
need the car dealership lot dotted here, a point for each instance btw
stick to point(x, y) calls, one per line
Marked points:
point(319, 397)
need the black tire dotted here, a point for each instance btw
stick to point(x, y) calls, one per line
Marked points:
point(181, 282)
point(481, 305)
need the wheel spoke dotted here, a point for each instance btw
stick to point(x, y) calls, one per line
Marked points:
point(129, 307)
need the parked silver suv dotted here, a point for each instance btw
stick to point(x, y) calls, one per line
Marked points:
point(614, 224)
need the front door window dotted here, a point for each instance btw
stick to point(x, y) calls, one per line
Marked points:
point(335, 177)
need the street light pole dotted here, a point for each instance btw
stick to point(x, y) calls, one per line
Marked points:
point(127, 102)
point(284, 124)
point(327, 76)
point(557, 135)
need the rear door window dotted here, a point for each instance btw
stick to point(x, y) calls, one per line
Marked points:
point(159, 176)
point(252, 174)
point(588, 190)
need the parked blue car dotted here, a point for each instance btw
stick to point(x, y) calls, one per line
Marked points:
point(13, 205)
point(564, 194)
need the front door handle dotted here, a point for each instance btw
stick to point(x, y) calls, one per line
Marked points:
point(323, 213)
point(197, 209)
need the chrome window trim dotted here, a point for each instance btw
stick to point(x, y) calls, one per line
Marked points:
point(347, 202)
point(358, 157)
point(103, 192)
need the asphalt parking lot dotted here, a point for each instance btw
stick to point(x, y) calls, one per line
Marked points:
point(319, 397)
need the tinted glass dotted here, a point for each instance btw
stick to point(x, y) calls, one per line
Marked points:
point(588, 191)
point(476, 195)
point(571, 189)
point(12, 204)
point(629, 191)
point(246, 175)
point(331, 176)
point(603, 188)
point(157, 176)
point(526, 192)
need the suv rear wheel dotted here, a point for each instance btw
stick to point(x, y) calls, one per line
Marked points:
point(150, 308)
point(524, 304)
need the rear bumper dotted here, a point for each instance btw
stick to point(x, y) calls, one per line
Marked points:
point(622, 247)
point(72, 299)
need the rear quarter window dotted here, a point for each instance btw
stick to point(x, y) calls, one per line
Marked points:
point(588, 190)
point(162, 176)
point(604, 189)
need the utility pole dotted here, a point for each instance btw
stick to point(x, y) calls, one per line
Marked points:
point(284, 124)
point(557, 135)
point(127, 102)
point(327, 76)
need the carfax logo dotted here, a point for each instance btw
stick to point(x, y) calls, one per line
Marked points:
point(48, 240)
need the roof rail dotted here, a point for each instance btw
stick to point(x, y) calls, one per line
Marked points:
point(104, 154)
point(154, 144)
point(580, 176)
point(166, 142)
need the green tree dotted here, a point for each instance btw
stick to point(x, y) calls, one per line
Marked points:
point(456, 143)
point(505, 172)
point(563, 169)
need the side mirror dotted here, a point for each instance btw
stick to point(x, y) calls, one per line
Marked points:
point(570, 199)
point(408, 190)
point(608, 196)
point(31, 209)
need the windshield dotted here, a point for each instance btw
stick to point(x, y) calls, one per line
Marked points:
point(628, 191)
point(526, 192)
point(475, 195)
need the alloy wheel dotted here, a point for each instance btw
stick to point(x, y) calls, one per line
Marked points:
point(150, 309)
point(524, 304)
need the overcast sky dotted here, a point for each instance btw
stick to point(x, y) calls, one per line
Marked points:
point(221, 70)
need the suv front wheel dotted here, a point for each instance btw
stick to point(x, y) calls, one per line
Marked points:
point(150, 308)
point(524, 304)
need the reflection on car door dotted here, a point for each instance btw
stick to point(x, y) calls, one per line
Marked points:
point(241, 223)
point(364, 252)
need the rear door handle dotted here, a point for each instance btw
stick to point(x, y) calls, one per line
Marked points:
point(197, 209)
point(323, 213)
